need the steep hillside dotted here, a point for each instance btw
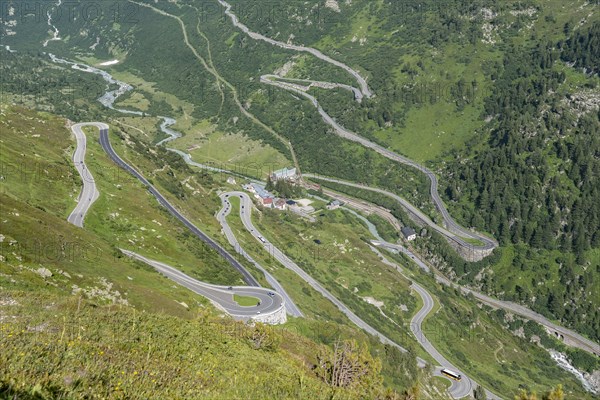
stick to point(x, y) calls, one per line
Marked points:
point(96, 351)
point(79, 277)
point(499, 100)
point(39, 190)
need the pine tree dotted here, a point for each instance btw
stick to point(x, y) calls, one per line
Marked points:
point(269, 185)
point(479, 393)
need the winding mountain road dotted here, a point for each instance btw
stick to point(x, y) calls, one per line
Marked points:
point(457, 390)
point(220, 296)
point(246, 203)
point(452, 230)
point(89, 193)
point(105, 143)
point(364, 88)
point(221, 216)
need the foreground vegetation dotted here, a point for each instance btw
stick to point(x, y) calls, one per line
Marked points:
point(545, 250)
point(45, 255)
point(95, 351)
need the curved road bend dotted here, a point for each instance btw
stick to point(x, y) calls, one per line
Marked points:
point(488, 243)
point(320, 84)
point(451, 224)
point(573, 338)
point(221, 216)
point(89, 193)
point(104, 141)
point(364, 88)
point(220, 296)
point(458, 389)
point(288, 263)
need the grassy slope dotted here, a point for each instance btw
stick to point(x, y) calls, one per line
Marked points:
point(467, 335)
point(106, 278)
point(233, 152)
point(116, 352)
point(37, 199)
point(245, 301)
point(475, 348)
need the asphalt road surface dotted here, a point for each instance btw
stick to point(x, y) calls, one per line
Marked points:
point(104, 141)
point(288, 263)
point(221, 216)
point(89, 193)
point(458, 389)
point(221, 296)
point(364, 88)
point(573, 338)
point(452, 230)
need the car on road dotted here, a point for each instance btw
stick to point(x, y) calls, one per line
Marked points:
point(271, 294)
point(258, 312)
point(230, 288)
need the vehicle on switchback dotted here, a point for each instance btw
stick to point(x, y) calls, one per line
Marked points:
point(451, 374)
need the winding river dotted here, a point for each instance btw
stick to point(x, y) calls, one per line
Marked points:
point(110, 96)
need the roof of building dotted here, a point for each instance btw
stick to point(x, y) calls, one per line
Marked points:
point(262, 192)
point(408, 231)
point(280, 202)
point(291, 202)
point(285, 173)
